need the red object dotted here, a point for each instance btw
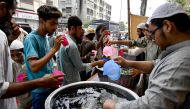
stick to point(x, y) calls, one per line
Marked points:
point(107, 33)
point(57, 72)
point(120, 53)
point(21, 77)
point(65, 42)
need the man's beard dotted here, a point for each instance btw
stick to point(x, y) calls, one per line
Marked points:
point(141, 35)
point(78, 40)
point(6, 27)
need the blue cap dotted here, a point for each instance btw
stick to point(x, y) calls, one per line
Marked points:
point(112, 70)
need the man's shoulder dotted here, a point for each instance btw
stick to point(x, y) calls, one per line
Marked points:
point(3, 37)
point(30, 36)
point(2, 33)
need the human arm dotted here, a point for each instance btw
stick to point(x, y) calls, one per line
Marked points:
point(74, 55)
point(136, 51)
point(15, 34)
point(16, 89)
point(100, 41)
point(36, 64)
point(145, 66)
point(120, 42)
point(168, 88)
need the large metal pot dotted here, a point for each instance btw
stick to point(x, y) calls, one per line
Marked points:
point(126, 93)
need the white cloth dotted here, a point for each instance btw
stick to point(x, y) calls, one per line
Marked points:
point(136, 51)
point(166, 10)
point(141, 26)
point(6, 74)
point(16, 44)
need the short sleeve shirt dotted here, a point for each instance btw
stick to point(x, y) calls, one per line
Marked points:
point(36, 46)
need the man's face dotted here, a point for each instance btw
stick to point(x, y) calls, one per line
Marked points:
point(147, 34)
point(17, 56)
point(50, 25)
point(140, 33)
point(6, 14)
point(78, 33)
point(158, 34)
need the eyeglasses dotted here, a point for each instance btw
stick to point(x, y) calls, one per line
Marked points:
point(152, 33)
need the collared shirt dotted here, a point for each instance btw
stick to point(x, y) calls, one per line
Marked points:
point(168, 82)
point(6, 73)
point(152, 51)
point(36, 46)
point(69, 61)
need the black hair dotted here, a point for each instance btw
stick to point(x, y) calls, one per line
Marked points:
point(73, 21)
point(147, 26)
point(90, 36)
point(9, 3)
point(47, 12)
point(5, 23)
point(181, 21)
point(99, 27)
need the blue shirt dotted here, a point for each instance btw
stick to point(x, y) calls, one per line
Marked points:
point(36, 46)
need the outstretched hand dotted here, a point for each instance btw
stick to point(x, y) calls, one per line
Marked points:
point(121, 61)
point(51, 81)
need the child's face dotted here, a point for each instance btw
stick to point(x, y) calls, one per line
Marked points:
point(17, 56)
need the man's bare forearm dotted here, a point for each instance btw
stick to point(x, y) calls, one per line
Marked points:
point(145, 66)
point(37, 64)
point(122, 42)
point(16, 89)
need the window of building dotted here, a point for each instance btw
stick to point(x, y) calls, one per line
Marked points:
point(27, 1)
point(49, 2)
point(88, 18)
point(68, 9)
point(88, 11)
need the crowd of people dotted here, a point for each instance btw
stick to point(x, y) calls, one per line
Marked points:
point(28, 60)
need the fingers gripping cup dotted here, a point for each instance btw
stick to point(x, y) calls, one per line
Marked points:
point(65, 41)
point(57, 72)
point(112, 70)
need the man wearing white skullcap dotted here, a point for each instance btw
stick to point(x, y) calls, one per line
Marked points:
point(170, 75)
point(16, 47)
point(140, 42)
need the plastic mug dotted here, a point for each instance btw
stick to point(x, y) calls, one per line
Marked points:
point(120, 53)
point(65, 41)
point(57, 72)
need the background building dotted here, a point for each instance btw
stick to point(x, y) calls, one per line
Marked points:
point(26, 11)
point(87, 10)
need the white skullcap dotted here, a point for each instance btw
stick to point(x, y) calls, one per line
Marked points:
point(16, 44)
point(167, 10)
point(141, 26)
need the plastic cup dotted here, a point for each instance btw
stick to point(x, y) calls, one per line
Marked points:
point(65, 41)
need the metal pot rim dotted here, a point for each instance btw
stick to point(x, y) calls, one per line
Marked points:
point(88, 82)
